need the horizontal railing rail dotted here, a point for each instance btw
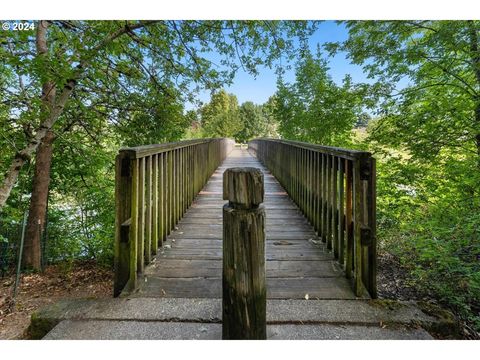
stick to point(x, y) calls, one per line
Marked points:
point(335, 189)
point(154, 186)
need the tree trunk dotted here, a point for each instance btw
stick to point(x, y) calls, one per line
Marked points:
point(41, 178)
point(38, 204)
point(475, 57)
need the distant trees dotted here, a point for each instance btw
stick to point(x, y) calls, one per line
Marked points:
point(314, 108)
point(223, 117)
point(220, 117)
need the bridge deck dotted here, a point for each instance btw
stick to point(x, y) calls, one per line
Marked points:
point(190, 264)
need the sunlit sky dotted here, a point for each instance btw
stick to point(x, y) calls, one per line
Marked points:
point(259, 89)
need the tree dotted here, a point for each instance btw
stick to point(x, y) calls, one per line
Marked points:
point(254, 122)
point(314, 109)
point(427, 81)
point(101, 66)
point(221, 117)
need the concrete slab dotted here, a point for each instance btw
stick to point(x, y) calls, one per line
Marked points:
point(301, 312)
point(209, 310)
point(138, 330)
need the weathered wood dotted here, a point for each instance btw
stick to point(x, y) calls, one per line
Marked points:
point(244, 280)
point(148, 214)
point(151, 192)
point(335, 207)
point(132, 282)
point(358, 286)
point(338, 201)
point(243, 187)
point(348, 220)
point(123, 188)
point(141, 216)
point(341, 212)
point(372, 224)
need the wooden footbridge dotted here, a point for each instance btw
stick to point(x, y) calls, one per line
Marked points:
point(320, 219)
point(316, 258)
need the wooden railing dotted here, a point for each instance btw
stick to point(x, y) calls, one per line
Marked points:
point(335, 189)
point(154, 186)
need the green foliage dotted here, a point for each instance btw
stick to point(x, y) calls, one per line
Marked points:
point(427, 79)
point(221, 117)
point(429, 218)
point(314, 109)
point(257, 122)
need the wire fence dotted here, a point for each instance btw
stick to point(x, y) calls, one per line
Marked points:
point(10, 240)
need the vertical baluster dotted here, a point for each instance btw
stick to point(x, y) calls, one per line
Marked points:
point(132, 283)
point(357, 223)
point(348, 220)
point(293, 174)
point(309, 186)
point(324, 197)
point(123, 207)
point(372, 224)
point(303, 176)
point(182, 182)
point(318, 179)
point(170, 190)
point(148, 215)
point(185, 180)
point(192, 174)
point(341, 212)
point(158, 195)
point(327, 201)
point(335, 206)
point(155, 205)
point(164, 198)
point(141, 216)
point(175, 187)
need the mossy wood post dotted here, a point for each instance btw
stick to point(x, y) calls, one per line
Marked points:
point(335, 189)
point(244, 283)
point(123, 195)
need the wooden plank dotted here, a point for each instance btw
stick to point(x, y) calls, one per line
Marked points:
point(175, 268)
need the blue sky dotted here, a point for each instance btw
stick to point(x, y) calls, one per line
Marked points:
point(259, 89)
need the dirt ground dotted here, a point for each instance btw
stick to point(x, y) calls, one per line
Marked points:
point(82, 279)
point(392, 283)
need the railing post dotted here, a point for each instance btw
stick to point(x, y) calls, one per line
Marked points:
point(123, 195)
point(244, 284)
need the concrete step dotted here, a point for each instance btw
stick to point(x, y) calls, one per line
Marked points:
point(148, 330)
point(345, 318)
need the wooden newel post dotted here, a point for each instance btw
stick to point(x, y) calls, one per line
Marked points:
point(244, 284)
